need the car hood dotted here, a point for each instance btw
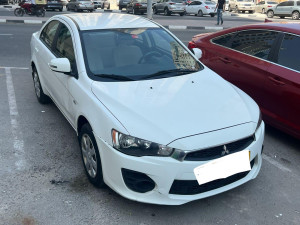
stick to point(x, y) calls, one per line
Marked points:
point(162, 110)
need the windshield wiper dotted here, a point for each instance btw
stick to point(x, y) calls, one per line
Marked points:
point(177, 72)
point(115, 77)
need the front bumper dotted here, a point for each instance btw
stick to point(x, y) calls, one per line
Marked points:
point(80, 7)
point(164, 170)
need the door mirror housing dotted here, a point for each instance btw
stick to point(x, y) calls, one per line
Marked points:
point(61, 65)
point(197, 52)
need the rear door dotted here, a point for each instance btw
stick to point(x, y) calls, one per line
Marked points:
point(237, 57)
point(283, 85)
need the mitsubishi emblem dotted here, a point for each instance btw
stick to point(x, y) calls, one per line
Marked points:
point(226, 151)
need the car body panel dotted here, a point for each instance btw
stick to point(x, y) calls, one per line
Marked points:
point(195, 6)
point(268, 80)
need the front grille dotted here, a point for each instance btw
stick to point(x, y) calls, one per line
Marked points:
point(217, 152)
point(191, 187)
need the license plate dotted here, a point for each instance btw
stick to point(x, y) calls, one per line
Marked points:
point(223, 167)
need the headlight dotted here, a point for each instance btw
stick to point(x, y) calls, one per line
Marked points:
point(138, 147)
point(259, 121)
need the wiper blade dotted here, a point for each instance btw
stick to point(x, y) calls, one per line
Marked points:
point(115, 77)
point(176, 71)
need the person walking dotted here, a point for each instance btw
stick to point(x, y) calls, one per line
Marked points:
point(220, 8)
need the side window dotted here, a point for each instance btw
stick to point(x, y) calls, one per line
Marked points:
point(290, 3)
point(257, 43)
point(288, 54)
point(223, 40)
point(64, 44)
point(298, 3)
point(282, 4)
point(49, 32)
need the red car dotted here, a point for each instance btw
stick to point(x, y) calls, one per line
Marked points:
point(264, 61)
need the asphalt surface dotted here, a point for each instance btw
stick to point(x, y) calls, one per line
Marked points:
point(42, 179)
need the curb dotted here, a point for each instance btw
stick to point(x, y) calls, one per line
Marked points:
point(22, 21)
point(170, 27)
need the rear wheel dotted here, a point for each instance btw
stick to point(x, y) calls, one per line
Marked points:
point(166, 12)
point(281, 17)
point(212, 15)
point(40, 13)
point(181, 14)
point(108, 7)
point(19, 12)
point(295, 15)
point(90, 156)
point(154, 10)
point(270, 14)
point(200, 13)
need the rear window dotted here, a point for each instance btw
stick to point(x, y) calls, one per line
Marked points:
point(223, 40)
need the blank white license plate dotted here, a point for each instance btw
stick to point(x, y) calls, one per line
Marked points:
point(223, 167)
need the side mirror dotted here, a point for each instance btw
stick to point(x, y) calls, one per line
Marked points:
point(61, 65)
point(197, 52)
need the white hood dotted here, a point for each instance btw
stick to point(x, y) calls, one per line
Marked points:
point(163, 110)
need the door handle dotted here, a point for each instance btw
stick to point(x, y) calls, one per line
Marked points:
point(225, 60)
point(276, 81)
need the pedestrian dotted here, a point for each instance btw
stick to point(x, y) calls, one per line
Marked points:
point(220, 8)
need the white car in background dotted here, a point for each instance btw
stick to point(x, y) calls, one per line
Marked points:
point(150, 118)
point(201, 8)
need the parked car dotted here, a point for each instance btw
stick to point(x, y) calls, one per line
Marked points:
point(4, 2)
point(241, 6)
point(146, 111)
point(283, 9)
point(227, 5)
point(199, 8)
point(137, 6)
point(262, 60)
point(80, 5)
point(263, 6)
point(64, 2)
point(98, 4)
point(54, 4)
point(123, 4)
point(169, 7)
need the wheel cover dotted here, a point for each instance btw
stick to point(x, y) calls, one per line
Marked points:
point(295, 15)
point(37, 86)
point(89, 155)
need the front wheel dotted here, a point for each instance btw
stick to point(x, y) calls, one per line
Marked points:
point(19, 12)
point(41, 97)
point(295, 15)
point(166, 12)
point(90, 156)
point(155, 10)
point(270, 14)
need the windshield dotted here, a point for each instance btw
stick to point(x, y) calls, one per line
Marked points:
point(272, 2)
point(135, 54)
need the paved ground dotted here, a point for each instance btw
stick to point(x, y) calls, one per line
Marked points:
point(42, 180)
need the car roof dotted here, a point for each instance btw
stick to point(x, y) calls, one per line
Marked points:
point(291, 27)
point(94, 21)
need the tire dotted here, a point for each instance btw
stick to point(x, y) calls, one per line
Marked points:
point(295, 15)
point(270, 14)
point(282, 17)
point(19, 12)
point(108, 7)
point(90, 156)
point(166, 12)
point(41, 97)
point(200, 13)
point(61, 9)
point(181, 14)
point(91, 10)
point(155, 10)
point(243, 11)
point(212, 15)
point(251, 11)
point(40, 13)
point(263, 11)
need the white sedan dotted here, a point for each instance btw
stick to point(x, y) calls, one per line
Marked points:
point(153, 123)
point(200, 8)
